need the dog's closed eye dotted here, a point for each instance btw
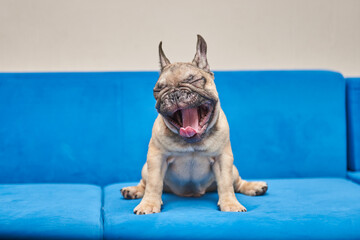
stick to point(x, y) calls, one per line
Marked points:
point(198, 82)
point(159, 86)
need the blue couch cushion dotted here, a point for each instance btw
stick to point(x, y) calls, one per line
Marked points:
point(286, 123)
point(313, 208)
point(353, 122)
point(83, 127)
point(50, 211)
point(354, 176)
point(61, 127)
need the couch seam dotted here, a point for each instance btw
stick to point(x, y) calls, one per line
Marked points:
point(102, 212)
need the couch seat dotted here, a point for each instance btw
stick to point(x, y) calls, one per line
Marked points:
point(308, 208)
point(50, 211)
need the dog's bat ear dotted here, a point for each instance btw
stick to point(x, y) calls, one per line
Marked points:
point(200, 59)
point(163, 59)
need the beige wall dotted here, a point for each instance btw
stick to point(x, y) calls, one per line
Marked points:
point(88, 35)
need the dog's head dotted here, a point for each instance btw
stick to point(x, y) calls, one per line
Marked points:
point(186, 95)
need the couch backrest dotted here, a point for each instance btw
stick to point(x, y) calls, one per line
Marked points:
point(95, 127)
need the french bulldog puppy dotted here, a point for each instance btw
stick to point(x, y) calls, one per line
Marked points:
point(189, 152)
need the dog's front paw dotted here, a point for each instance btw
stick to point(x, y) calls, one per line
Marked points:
point(147, 207)
point(231, 206)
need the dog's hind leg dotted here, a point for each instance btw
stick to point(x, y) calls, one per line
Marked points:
point(248, 188)
point(135, 192)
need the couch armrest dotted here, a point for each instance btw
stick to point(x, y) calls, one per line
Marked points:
point(354, 176)
point(353, 122)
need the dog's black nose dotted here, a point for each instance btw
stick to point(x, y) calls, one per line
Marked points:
point(178, 95)
point(175, 96)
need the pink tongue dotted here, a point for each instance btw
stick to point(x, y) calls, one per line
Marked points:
point(190, 122)
point(187, 132)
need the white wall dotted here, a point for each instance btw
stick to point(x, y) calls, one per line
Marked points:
point(89, 35)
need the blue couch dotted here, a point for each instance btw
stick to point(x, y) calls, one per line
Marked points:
point(70, 141)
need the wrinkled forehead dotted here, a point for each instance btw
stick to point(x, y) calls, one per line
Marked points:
point(177, 72)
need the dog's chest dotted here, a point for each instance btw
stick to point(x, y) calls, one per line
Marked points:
point(189, 175)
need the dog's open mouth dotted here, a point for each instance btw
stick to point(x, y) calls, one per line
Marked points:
point(192, 121)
